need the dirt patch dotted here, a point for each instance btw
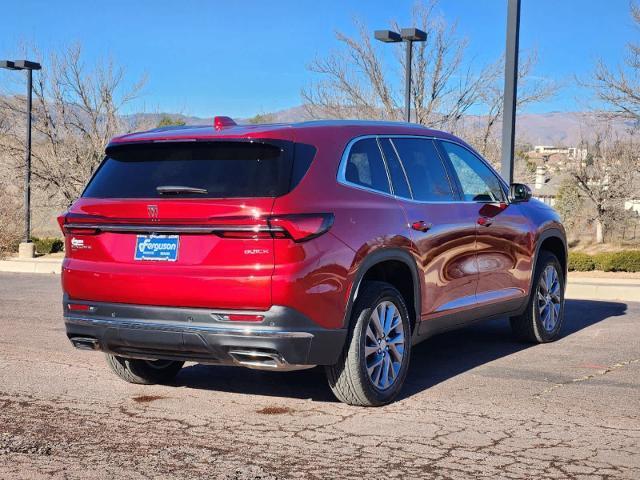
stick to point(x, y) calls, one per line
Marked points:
point(274, 410)
point(147, 398)
point(12, 444)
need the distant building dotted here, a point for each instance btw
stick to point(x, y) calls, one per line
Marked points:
point(572, 153)
point(545, 187)
point(633, 205)
point(549, 149)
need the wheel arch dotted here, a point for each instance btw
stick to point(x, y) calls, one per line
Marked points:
point(390, 265)
point(552, 240)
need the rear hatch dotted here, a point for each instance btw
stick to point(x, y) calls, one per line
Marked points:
point(179, 224)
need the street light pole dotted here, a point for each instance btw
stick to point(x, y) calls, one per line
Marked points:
point(407, 84)
point(27, 163)
point(26, 248)
point(408, 35)
point(510, 90)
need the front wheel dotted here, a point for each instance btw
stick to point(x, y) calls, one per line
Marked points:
point(542, 320)
point(374, 363)
point(144, 372)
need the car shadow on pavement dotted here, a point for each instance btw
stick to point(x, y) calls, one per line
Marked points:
point(433, 361)
point(445, 356)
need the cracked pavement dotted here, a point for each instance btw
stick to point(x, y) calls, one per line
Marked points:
point(476, 405)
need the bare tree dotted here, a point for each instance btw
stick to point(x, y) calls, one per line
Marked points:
point(619, 86)
point(76, 112)
point(607, 177)
point(354, 83)
point(531, 90)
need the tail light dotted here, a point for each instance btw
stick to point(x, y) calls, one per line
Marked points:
point(304, 226)
point(75, 229)
point(61, 221)
point(299, 227)
point(75, 224)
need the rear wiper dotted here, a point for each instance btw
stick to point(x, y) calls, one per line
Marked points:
point(178, 189)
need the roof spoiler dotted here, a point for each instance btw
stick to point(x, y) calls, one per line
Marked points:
point(222, 122)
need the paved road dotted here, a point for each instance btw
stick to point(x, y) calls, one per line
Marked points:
point(476, 405)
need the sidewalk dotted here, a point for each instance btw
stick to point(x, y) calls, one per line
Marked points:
point(581, 285)
point(610, 287)
point(44, 264)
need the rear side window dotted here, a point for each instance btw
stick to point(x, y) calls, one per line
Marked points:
point(365, 166)
point(426, 173)
point(216, 169)
point(396, 172)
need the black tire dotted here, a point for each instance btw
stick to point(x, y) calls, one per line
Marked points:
point(143, 372)
point(348, 378)
point(529, 327)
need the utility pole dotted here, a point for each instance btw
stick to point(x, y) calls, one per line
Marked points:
point(26, 248)
point(510, 90)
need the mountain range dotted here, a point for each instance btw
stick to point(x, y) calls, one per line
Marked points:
point(552, 128)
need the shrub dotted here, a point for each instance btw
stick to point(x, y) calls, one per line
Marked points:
point(604, 261)
point(581, 262)
point(625, 261)
point(47, 245)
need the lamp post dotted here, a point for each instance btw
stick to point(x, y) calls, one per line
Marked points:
point(510, 90)
point(407, 35)
point(26, 248)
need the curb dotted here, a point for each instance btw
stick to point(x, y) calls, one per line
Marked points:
point(624, 289)
point(31, 266)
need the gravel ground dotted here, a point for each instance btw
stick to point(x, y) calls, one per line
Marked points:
point(476, 404)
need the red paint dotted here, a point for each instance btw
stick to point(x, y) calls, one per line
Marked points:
point(312, 263)
point(221, 122)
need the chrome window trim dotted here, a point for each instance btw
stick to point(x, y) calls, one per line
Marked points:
point(342, 167)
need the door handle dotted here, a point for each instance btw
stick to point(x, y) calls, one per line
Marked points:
point(484, 221)
point(421, 226)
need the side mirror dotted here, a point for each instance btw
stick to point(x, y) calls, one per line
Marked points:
point(519, 192)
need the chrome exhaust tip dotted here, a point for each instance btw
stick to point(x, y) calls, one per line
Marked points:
point(263, 360)
point(84, 343)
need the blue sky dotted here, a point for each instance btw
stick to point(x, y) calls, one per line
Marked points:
point(240, 58)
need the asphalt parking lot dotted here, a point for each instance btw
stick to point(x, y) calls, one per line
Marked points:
point(476, 405)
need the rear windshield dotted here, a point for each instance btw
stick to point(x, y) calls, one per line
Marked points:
point(198, 170)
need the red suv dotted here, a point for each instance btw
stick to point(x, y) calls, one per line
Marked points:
point(281, 247)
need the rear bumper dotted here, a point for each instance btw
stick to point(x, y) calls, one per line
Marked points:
point(285, 339)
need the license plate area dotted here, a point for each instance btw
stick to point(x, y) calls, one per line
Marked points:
point(162, 248)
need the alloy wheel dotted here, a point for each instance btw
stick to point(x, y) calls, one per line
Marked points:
point(549, 298)
point(384, 345)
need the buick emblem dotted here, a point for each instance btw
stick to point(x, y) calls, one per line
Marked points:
point(152, 210)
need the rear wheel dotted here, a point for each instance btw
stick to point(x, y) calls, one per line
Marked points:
point(145, 372)
point(542, 320)
point(374, 363)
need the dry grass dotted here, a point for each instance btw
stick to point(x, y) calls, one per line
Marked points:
point(11, 223)
point(593, 248)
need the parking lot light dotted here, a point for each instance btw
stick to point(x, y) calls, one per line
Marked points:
point(26, 248)
point(407, 35)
